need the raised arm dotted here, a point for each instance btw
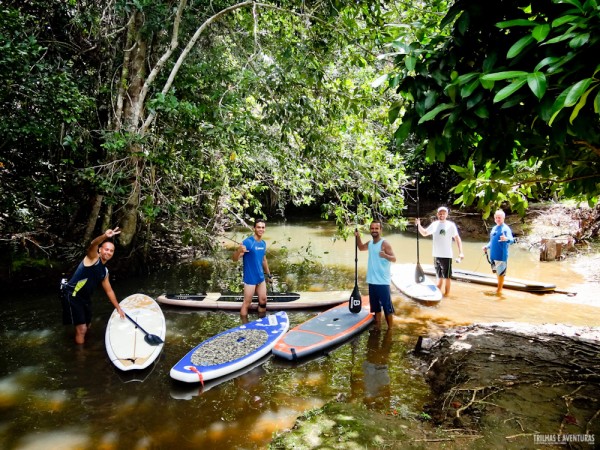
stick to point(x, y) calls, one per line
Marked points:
point(92, 250)
point(239, 252)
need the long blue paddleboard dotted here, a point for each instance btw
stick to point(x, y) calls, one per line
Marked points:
point(231, 350)
point(323, 331)
point(187, 391)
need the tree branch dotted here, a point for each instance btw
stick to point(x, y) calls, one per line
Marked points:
point(184, 55)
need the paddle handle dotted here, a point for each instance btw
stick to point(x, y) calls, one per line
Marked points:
point(418, 215)
point(355, 257)
point(136, 324)
point(355, 302)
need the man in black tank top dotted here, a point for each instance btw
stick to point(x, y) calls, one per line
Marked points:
point(76, 294)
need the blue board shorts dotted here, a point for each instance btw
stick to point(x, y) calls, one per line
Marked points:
point(380, 298)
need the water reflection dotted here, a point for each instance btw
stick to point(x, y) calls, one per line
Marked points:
point(376, 371)
point(53, 395)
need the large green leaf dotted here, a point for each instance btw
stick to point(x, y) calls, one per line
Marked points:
point(576, 91)
point(435, 111)
point(579, 40)
point(519, 46)
point(581, 103)
point(516, 23)
point(504, 75)
point(575, 3)
point(540, 32)
point(558, 105)
point(537, 84)
point(565, 19)
point(507, 91)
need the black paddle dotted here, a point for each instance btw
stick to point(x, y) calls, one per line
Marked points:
point(492, 265)
point(151, 339)
point(419, 274)
point(355, 302)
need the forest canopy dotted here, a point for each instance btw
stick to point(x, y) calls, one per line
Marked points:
point(508, 94)
point(191, 117)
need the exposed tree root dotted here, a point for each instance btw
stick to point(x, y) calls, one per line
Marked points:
point(529, 384)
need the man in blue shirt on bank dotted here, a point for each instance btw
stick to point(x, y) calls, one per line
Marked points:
point(500, 238)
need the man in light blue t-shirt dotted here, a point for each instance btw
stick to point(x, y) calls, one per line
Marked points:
point(381, 256)
point(254, 250)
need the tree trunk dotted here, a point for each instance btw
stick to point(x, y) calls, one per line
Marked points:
point(133, 116)
point(93, 218)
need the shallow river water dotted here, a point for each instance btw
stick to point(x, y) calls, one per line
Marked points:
point(54, 395)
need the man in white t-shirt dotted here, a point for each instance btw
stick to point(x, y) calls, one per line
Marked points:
point(443, 232)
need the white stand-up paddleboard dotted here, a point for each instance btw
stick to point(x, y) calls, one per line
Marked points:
point(403, 278)
point(126, 343)
point(278, 301)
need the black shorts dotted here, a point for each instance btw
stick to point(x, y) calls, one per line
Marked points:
point(443, 267)
point(75, 311)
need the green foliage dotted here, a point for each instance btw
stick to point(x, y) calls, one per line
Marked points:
point(41, 105)
point(510, 94)
point(288, 117)
point(274, 106)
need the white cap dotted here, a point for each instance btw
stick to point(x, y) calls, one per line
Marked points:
point(442, 208)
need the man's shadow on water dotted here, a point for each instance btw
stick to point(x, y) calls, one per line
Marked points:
point(376, 371)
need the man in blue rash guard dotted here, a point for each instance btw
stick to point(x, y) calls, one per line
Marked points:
point(77, 292)
point(500, 238)
point(254, 250)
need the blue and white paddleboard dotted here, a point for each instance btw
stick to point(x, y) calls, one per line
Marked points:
point(231, 350)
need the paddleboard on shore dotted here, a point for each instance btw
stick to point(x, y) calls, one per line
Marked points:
point(323, 331)
point(275, 301)
point(231, 350)
point(492, 280)
point(403, 278)
point(125, 342)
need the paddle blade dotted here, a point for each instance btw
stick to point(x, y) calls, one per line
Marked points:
point(419, 274)
point(153, 339)
point(355, 302)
